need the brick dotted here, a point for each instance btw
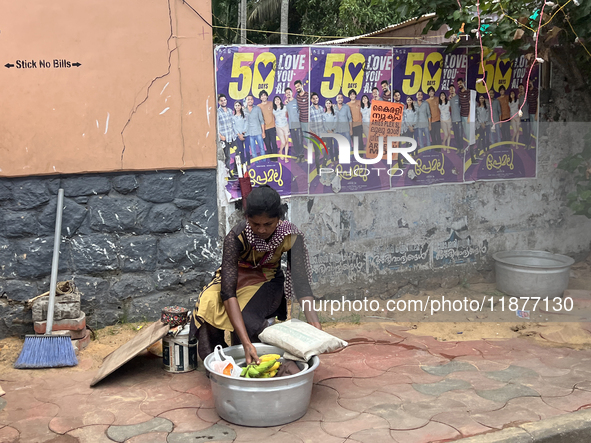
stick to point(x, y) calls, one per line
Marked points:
point(74, 335)
point(81, 343)
point(66, 306)
point(71, 324)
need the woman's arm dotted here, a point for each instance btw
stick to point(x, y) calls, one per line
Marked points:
point(230, 257)
point(299, 279)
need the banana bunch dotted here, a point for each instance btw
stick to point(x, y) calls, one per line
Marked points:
point(266, 369)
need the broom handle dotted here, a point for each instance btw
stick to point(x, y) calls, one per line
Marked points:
point(54, 263)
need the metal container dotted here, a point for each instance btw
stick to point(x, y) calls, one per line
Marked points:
point(261, 402)
point(179, 354)
point(532, 273)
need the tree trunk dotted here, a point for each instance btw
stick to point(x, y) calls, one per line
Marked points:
point(284, 18)
point(567, 64)
point(242, 21)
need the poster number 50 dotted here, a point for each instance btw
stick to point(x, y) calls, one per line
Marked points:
point(263, 77)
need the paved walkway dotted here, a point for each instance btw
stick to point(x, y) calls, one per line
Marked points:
point(387, 386)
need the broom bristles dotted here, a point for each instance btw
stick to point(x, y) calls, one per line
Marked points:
point(46, 351)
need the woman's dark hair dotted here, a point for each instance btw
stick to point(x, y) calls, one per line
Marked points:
point(412, 105)
point(483, 104)
point(331, 107)
point(514, 95)
point(241, 109)
point(265, 200)
point(440, 101)
point(280, 102)
point(368, 101)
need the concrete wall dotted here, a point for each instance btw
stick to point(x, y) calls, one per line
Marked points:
point(391, 243)
point(132, 242)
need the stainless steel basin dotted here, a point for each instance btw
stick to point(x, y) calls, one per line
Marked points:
point(531, 273)
point(265, 401)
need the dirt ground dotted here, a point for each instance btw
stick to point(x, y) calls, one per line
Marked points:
point(554, 329)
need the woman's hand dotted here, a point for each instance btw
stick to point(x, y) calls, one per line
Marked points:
point(250, 353)
point(310, 313)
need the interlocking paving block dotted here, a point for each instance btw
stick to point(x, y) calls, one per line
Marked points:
point(448, 368)
point(428, 409)
point(441, 386)
point(506, 393)
point(214, 433)
point(2, 403)
point(398, 418)
point(505, 417)
point(511, 373)
point(122, 433)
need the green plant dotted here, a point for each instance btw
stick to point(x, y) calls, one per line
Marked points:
point(579, 166)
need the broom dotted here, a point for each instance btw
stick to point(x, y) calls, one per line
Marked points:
point(49, 351)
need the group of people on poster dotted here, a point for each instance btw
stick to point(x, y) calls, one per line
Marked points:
point(266, 128)
point(433, 120)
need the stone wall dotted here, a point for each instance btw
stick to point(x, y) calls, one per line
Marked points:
point(133, 243)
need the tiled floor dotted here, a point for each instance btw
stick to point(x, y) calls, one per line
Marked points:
point(387, 386)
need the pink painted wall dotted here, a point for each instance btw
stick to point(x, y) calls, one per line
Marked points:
point(142, 98)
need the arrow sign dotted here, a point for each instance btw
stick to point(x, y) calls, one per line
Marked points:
point(76, 64)
point(8, 65)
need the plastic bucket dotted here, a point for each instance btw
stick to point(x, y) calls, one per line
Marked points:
point(179, 354)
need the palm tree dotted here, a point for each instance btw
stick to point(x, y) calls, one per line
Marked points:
point(270, 10)
point(242, 21)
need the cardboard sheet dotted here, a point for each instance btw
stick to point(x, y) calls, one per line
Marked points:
point(125, 353)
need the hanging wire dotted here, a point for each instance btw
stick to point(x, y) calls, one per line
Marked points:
point(580, 41)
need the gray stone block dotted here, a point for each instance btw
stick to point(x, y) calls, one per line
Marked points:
point(138, 253)
point(29, 193)
point(73, 216)
point(188, 204)
point(34, 257)
point(109, 214)
point(53, 185)
point(166, 279)
point(18, 224)
point(18, 290)
point(197, 184)
point(81, 200)
point(132, 285)
point(14, 320)
point(124, 184)
point(182, 251)
point(86, 185)
point(94, 253)
point(163, 218)
point(5, 193)
point(203, 220)
point(91, 289)
point(66, 306)
point(7, 259)
point(157, 187)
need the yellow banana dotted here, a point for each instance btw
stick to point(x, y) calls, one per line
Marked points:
point(269, 374)
point(274, 367)
point(268, 357)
